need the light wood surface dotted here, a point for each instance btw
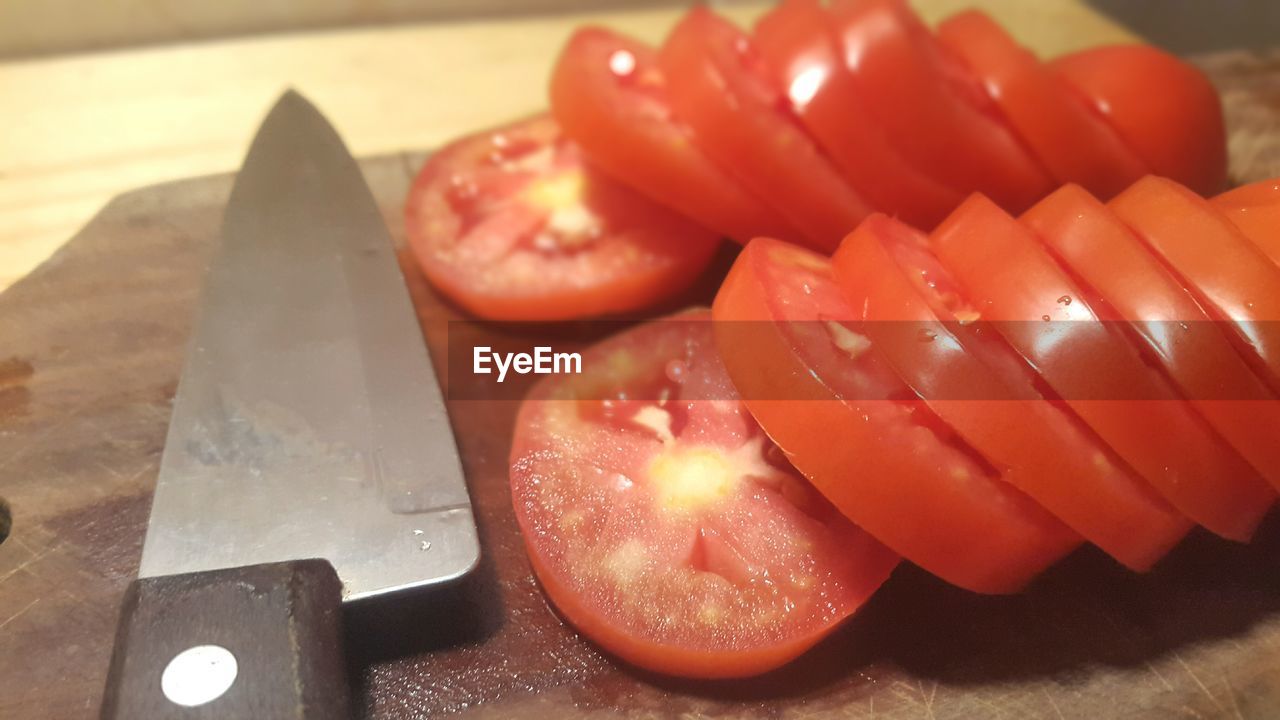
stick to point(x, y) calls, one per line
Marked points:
point(48, 27)
point(77, 130)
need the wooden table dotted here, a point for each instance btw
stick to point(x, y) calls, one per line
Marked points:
point(75, 131)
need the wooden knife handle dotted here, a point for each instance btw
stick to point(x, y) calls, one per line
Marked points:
point(274, 632)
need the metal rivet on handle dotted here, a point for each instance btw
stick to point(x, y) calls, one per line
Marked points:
point(199, 675)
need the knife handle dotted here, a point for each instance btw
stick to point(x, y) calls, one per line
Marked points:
point(262, 642)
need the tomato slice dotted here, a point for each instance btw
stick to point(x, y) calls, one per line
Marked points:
point(665, 526)
point(796, 43)
point(717, 85)
point(932, 118)
point(1255, 210)
point(1227, 274)
point(610, 97)
point(1039, 447)
point(1177, 334)
point(1014, 282)
point(1165, 109)
point(844, 419)
point(512, 225)
point(1073, 143)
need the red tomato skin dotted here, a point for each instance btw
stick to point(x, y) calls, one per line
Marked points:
point(1073, 144)
point(1224, 270)
point(1163, 107)
point(1232, 499)
point(930, 120)
point(974, 532)
point(623, 122)
point(799, 49)
point(714, 86)
point(1042, 449)
point(1015, 283)
point(861, 563)
point(1255, 210)
point(663, 252)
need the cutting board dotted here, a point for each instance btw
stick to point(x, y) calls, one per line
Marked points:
point(91, 346)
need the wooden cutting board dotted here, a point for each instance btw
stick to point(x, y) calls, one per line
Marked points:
point(90, 350)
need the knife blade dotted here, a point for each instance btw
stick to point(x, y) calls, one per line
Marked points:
point(309, 457)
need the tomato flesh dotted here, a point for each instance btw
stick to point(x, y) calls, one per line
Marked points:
point(512, 225)
point(1165, 109)
point(1255, 210)
point(931, 119)
point(885, 271)
point(846, 421)
point(662, 522)
point(1073, 143)
point(1230, 499)
point(798, 48)
point(1227, 273)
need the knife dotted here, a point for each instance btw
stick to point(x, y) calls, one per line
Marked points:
point(309, 460)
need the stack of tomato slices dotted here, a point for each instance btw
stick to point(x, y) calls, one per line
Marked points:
point(718, 491)
point(801, 128)
point(714, 495)
point(823, 114)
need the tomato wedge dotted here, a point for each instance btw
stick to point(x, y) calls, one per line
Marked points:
point(610, 97)
point(1226, 272)
point(1165, 109)
point(1105, 255)
point(512, 225)
point(933, 118)
point(845, 420)
point(796, 43)
point(717, 85)
point(1013, 281)
point(1073, 143)
point(1038, 447)
point(1255, 210)
point(665, 526)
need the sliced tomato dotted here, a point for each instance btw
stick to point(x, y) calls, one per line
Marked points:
point(1255, 210)
point(1072, 141)
point(717, 85)
point(664, 525)
point(610, 97)
point(1226, 273)
point(1039, 447)
point(1179, 336)
point(798, 48)
point(512, 225)
point(933, 118)
point(844, 418)
point(1014, 282)
point(1165, 109)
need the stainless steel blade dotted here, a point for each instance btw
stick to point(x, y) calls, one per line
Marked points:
point(308, 422)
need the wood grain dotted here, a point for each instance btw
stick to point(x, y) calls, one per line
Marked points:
point(90, 348)
point(78, 130)
point(65, 26)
